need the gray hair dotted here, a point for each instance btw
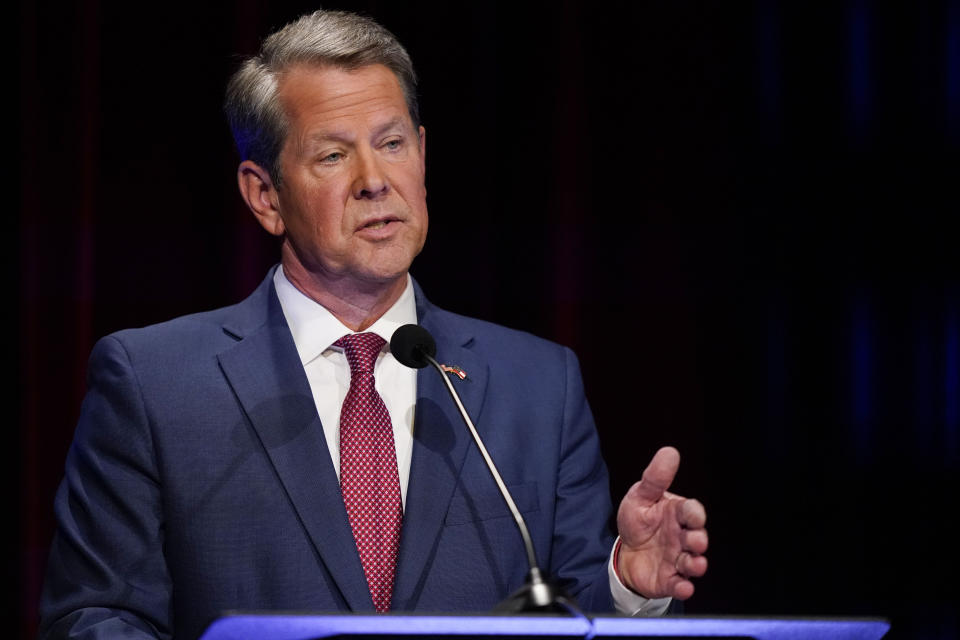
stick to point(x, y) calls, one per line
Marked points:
point(331, 38)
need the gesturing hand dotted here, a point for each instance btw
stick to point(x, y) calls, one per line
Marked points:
point(662, 534)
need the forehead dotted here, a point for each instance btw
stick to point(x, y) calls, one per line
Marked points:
point(324, 96)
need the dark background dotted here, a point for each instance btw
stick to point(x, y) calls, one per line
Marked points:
point(760, 199)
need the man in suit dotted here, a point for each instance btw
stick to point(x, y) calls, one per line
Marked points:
point(208, 472)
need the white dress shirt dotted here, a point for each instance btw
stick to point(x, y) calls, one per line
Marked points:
point(315, 330)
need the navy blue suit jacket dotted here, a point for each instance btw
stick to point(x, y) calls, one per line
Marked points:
point(199, 480)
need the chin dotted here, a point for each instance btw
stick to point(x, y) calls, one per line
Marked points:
point(386, 276)
point(391, 267)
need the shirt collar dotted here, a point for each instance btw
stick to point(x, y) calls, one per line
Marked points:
point(315, 329)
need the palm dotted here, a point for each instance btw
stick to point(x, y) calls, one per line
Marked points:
point(662, 534)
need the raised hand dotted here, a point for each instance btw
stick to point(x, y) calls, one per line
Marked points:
point(663, 536)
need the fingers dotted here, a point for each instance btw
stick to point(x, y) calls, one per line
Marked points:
point(658, 476)
point(680, 588)
point(692, 514)
point(690, 565)
point(694, 541)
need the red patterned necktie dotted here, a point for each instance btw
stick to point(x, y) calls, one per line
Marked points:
point(368, 469)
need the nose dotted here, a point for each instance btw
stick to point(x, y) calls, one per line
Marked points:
point(370, 182)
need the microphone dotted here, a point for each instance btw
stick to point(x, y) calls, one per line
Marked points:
point(413, 346)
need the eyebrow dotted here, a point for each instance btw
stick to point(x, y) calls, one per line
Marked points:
point(393, 123)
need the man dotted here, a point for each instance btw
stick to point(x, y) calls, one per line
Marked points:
point(274, 455)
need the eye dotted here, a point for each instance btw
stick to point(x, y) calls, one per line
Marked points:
point(393, 144)
point(331, 158)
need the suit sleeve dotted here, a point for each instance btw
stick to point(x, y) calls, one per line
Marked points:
point(106, 576)
point(582, 539)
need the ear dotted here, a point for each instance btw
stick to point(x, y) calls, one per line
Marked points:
point(260, 194)
point(423, 152)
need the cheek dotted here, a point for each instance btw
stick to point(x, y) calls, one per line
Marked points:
point(322, 208)
point(412, 186)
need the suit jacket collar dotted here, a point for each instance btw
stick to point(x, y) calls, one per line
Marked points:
point(266, 374)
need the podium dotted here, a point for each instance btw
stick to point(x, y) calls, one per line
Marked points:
point(282, 626)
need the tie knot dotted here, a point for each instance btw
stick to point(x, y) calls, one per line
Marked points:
point(361, 350)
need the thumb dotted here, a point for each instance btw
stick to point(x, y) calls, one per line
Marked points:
point(657, 477)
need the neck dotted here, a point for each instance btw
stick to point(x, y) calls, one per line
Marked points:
point(356, 304)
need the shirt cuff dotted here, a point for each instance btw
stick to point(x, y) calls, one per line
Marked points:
point(628, 602)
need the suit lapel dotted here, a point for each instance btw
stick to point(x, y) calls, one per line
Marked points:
point(266, 375)
point(441, 442)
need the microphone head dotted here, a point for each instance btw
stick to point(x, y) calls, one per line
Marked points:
point(409, 343)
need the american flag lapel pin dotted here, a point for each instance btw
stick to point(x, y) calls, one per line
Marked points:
point(455, 370)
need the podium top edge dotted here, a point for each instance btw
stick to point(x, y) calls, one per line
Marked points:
point(491, 614)
point(242, 625)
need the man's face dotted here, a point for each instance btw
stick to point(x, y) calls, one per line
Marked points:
point(352, 196)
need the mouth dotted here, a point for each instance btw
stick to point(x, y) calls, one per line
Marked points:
point(377, 223)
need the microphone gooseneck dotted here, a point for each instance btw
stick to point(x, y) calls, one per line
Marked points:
point(413, 346)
